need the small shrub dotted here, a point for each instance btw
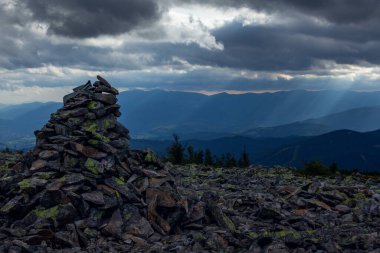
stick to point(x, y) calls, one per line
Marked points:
point(333, 168)
point(315, 168)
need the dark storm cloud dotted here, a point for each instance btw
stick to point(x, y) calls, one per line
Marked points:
point(273, 48)
point(300, 47)
point(336, 11)
point(294, 43)
point(299, 39)
point(91, 18)
point(22, 47)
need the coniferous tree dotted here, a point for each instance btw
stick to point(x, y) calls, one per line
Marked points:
point(176, 151)
point(208, 157)
point(217, 161)
point(315, 168)
point(190, 154)
point(199, 157)
point(230, 161)
point(222, 160)
point(244, 159)
point(333, 168)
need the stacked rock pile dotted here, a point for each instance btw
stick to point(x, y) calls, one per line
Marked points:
point(82, 188)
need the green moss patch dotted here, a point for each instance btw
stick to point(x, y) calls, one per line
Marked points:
point(91, 128)
point(44, 175)
point(92, 166)
point(26, 183)
point(150, 156)
point(101, 137)
point(93, 142)
point(284, 233)
point(91, 105)
point(50, 213)
point(5, 166)
point(54, 115)
point(360, 196)
point(119, 181)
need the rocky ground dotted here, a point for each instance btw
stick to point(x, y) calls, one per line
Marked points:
point(267, 210)
point(82, 189)
point(281, 210)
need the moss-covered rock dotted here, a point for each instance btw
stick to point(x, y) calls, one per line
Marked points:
point(50, 213)
point(93, 166)
point(150, 156)
point(119, 181)
point(25, 184)
point(291, 233)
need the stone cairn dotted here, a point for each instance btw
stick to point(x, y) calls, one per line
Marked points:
point(82, 188)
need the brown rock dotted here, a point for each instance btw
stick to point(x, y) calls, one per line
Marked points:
point(114, 225)
point(55, 185)
point(158, 222)
point(95, 197)
point(319, 204)
point(88, 151)
point(219, 216)
point(164, 198)
point(38, 164)
point(140, 228)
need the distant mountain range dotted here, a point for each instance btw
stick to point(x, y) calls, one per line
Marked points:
point(349, 149)
point(159, 114)
point(10, 112)
point(276, 128)
point(18, 122)
point(358, 119)
point(221, 122)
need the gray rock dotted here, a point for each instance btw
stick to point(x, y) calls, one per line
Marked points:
point(61, 129)
point(73, 113)
point(72, 178)
point(48, 155)
point(15, 249)
point(103, 81)
point(66, 214)
point(269, 213)
point(102, 88)
point(52, 198)
point(342, 209)
point(108, 99)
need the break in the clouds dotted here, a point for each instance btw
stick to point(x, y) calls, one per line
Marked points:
point(51, 45)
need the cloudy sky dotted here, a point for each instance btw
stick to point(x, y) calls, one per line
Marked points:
point(49, 46)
